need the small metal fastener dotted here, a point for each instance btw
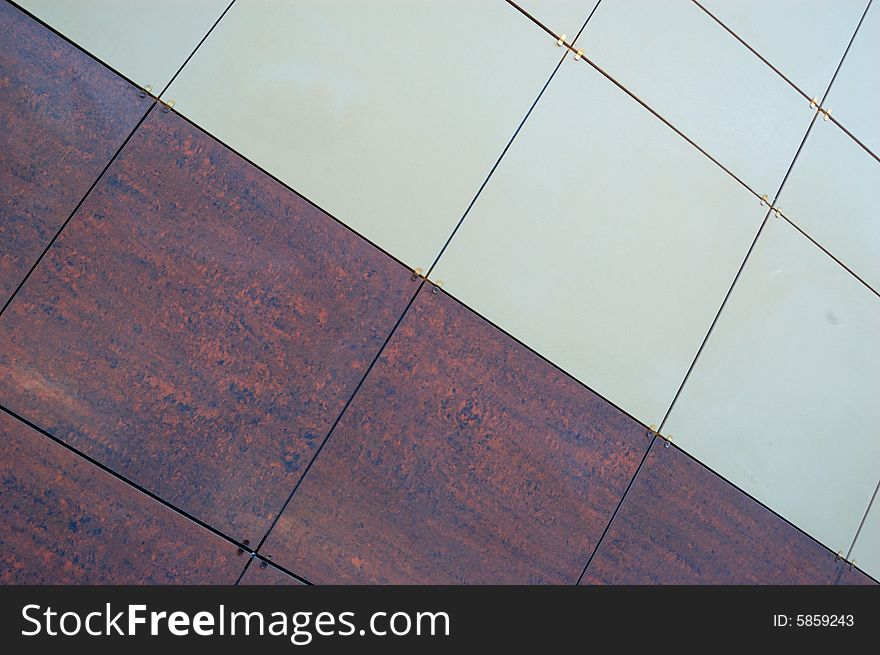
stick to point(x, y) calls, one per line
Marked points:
point(668, 439)
point(579, 54)
point(826, 115)
point(839, 555)
point(438, 284)
point(167, 106)
point(778, 212)
point(765, 200)
point(240, 550)
point(814, 102)
point(652, 431)
point(852, 565)
point(264, 564)
point(147, 89)
point(417, 273)
point(560, 40)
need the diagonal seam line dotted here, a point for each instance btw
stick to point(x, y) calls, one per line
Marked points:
point(735, 280)
point(518, 129)
point(584, 26)
point(854, 137)
point(775, 198)
point(617, 509)
point(256, 556)
point(495, 166)
point(121, 477)
point(760, 504)
point(752, 50)
point(220, 141)
point(834, 77)
point(70, 41)
point(134, 485)
point(668, 124)
point(827, 252)
point(198, 45)
point(76, 208)
point(534, 20)
point(845, 53)
point(793, 85)
point(544, 27)
point(341, 414)
point(244, 570)
point(862, 522)
point(289, 188)
point(544, 359)
point(733, 175)
point(635, 420)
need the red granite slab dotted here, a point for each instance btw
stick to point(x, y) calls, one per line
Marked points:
point(464, 458)
point(261, 573)
point(853, 576)
point(65, 521)
point(62, 116)
point(682, 524)
point(198, 327)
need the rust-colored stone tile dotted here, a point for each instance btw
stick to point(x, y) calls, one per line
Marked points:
point(62, 116)
point(197, 327)
point(261, 573)
point(682, 524)
point(853, 576)
point(65, 521)
point(464, 458)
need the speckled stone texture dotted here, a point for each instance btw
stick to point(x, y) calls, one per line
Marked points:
point(198, 327)
point(65, 521)
point(62, 116)
point(261, 573)
point(682, 524)
point(853, 576)
point(464, 458)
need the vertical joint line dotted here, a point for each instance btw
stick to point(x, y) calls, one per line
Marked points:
point(341, 414)
point(617, 509)
point(76, 208)
point(198, 45)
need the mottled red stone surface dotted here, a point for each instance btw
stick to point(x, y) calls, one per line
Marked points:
point(197, 327)
point(682, 524)
point(261, 573)
point(65, 521)
point(464, 458)
point(853, 576)
point(62, 116)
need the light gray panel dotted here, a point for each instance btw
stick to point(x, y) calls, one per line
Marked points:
point(389, 114)
point(783, 399)
point(854, 99)
point(803, 39)
point(833, 194)
point(866, 550)
point(145, 41)
point(562, 16)
point(604, 241)
point(690, 70)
